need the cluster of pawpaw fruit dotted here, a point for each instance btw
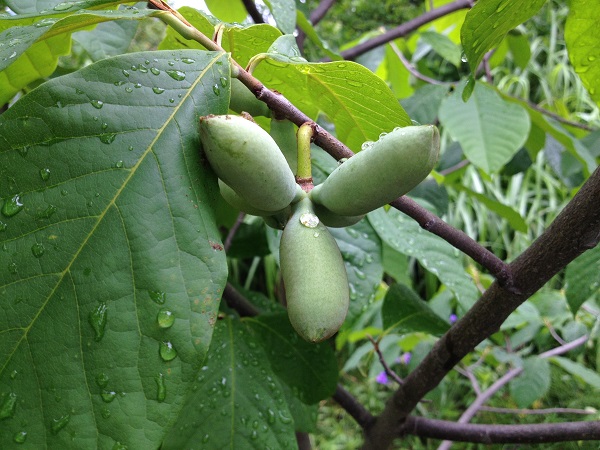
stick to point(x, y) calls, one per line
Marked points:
point(255, 177)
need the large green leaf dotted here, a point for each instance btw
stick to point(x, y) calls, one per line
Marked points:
point(228, 10)
point(30, 45)
point(284, 13)
point(532, 383)
point(436, 255)
point(50, 6)
point(237, 402)
point(487, 23)
point(490, 130)
point(115, 224)
point(583, 42)
point(108, 38)
point(309, 369)
point(357, 101)
point(583, 278)
point(404, 311)
point(443, 46)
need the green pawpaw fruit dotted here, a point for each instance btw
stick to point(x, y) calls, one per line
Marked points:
point(334, 220)
point(275, 220)
point(391, 167)
point(314, 275)
point(284, 133)
point(249, 161)
point(243, 100)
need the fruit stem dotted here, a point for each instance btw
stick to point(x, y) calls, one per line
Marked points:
point(304, 171)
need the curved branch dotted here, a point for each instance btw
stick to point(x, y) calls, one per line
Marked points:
point(353, 407)
point(503, 434)
point(320, 11)
point(405, 28)
point(253, 11)
point(576, 229)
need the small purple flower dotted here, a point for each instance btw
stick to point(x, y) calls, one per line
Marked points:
point(406, 358)
point(382, 378)
point(452, 318)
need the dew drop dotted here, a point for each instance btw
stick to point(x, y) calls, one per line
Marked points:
point(155, 71)
point(284, 419)
point(60, 423)
point(165, 318)
point(8, 405)
point(102, 379)
point(45, 174)
point(108, 396)
point(142, 68)
point(63, 6)
point(366, 145)
point(130, 148)
point(3, 226)
point(105, 413)
point(158, 90)
point(161, 388)
point(119, 164)
point(223, 81)
point(108, 138)
point(167, 351)
point(216, 89)
point(38, 249)
point(309, 220)
point(177, 75)
point(98, 104)
point(47, 213)
point(12, 206)
point(137, 85)
point(188, 60)
point(126, 73)
point(158, 297)
point(20, 437)
point(13, 374)
point(12, 268)
point(353, 233)
point(97, 320)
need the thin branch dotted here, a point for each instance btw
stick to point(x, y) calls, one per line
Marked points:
point(253, 11)
point(576, 229)
point(233, 231)
point(353, 407)
point(459, 165)
point(405, 28)
point(235, 300)
point(413, 70)
point(503, 434)
point(555, 116)
point(542, 411)
point(389, 372)
point(320, 11)
point(553, 332)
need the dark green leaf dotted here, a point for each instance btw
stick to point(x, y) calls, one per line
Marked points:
point(405, 312)
point(309, 369)
point(436, 255)
point(424, 104)
point(487, 23)
point(237, 401)
point(116, 224)
point(443, 46)
point(583, 278)
point(532, 384)
point(489, 129)
point(519, 47)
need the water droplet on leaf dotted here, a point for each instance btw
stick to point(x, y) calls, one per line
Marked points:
point(158, 90)
point(165, 318)
point(167, 351)
point(98, 104)
point(177, 75)
point(155, 71)
point(12, 206)
point(158, 297)
point(8, 405)
point(38, 249)
point(309, 220)
point(60, 423)
point(20, 437)
point(108, 138)
point(45, 174)
point(161, 388)
point(102, 379)
point(108, 396)
point(97, 320)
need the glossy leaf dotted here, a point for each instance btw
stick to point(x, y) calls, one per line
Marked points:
point(51, 6)
point(284, 13)
point(489, 129)
point(583, 278)
point(532, 384)
point(32, 44)
point(115, 225)
point(237, 401)
point(405, 312)
point(487, 23)
point(309, 369)
point(108, 38)
point(359, 103)
point(228, 10)
point(583, 43)
point(436, 255)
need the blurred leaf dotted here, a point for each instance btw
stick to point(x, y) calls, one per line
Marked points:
point(580, 371)
point(487, 23)
point(361, 250)
point(227, 10)
point(443, 46)
point(30, 45)
point(433, 193)
point(395, 264)
point(532, 384)
point(116, 224)
point(583, 278)
point(519, 47)
point(51, 6)
point(358, 102)
point(583, 42)
point(592, 142)
point(306, 27)
point(309, 369)
point(449, 24)
point(513, 217)
point(424, 104)
point(436, 255)
point(237, 401)
point(489, 129)
point(397, 75)
point(107, 39)
point(405, 312)
point(284, 13)
point(249, 241)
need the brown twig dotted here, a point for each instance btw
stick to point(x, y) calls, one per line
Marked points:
point(413, 70)
point(353, 407)
point(253, 11)
point(405, 28)
point(233, 231)
point(542, 411)
point(315, 17)
point(389, 372)
point(237, 301)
